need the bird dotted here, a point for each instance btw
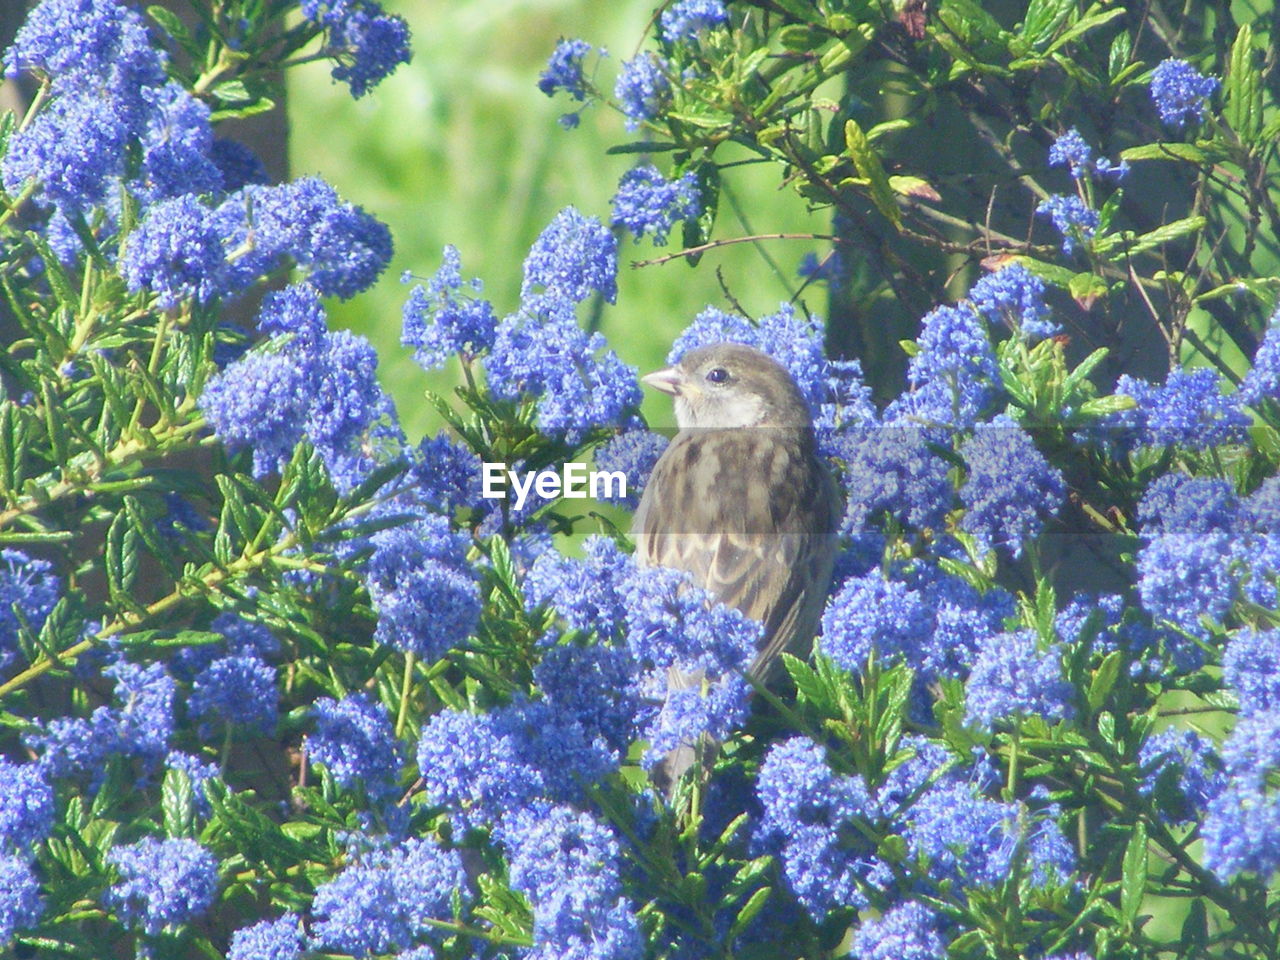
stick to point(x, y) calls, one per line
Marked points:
point(742, 501)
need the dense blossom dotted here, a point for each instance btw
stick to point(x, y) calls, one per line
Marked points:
point(1262, 382)
point(682, 21)
point(1188, 409)
point(176, 253)
point(1179, 91)
point(907, 931)
point(278, 939)
point(642, 88)
point(421, 586)
point(238, 689)
point(1242, 825)
point(176, 144)
point(871, 613)
point(448, 473)
point(1251, 667)
point(70, 40)
point(1015, 297)
point(144, 720)
point(588, 591)
point(649, 203)
point(1010, 486)
point(444, 317)
point(1013, 676)
point(574, 257)
point(1072, 150)
point(162, 882)
point(387, 898)
point(808, 811)
point(354, 740)
point(633, 453)
point(953, 377)
point(891, 469)
point(28, 590)
point(26, 806)
point(20, 902)
point(1072, 218)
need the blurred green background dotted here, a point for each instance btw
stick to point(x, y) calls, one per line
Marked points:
point(461, 147)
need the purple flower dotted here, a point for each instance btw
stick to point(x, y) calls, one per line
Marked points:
point(647, 202)
point(1262, 382)
point(296, 310)
point(1242, 826)
point(1071, 217)
point(1182, 773)
point(237, 164)
point(1179, 92)
point(953, 378)
point(633, 453)
point(448, 474)
point(365, 43)
point(73, 40)
point(162, 883)
point(239, 689)
point(891, 469)
point(1071, 149)
point(685, 19)
point(872, 613)
point(588, 592)
point(642, 88)
point(1189, 409)
point(442, 318)
point(1251, 667)
point(176, 144)
point(144, 720)
point(597, 687)
point(564, 70)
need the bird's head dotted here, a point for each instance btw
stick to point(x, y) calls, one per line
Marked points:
point(726, 385)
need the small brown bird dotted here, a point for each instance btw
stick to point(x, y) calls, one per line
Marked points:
point(741, 500)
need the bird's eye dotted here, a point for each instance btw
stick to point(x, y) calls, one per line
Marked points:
point(717, 375)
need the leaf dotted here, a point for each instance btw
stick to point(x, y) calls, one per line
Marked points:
point(642, 146)
point(869, 168)
point(1166, 151)
point(1118, 57)
point(1133, 878)
point(1084, 26)
point(914, 187)
point(1166, 233)
point(1244, 89)
point(1102, 406)
point(748, 912)
point(1044, 19)
point(177, 800)
point(1104, 679)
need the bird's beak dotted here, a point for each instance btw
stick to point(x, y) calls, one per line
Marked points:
point(669, 380)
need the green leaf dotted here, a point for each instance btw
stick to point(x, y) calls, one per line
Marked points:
point(1104, 679)
point(1118, 57)
point(177, 800)
point(1084, 26)
point(748, 912)
point(1166, 233)
point(1166, 151)
point(1195, 929)
point(1133, 878)
point(868, 165)
point(1244, 89)
point(1044, 19)
point(171, 23)
point(1102, 406)
point(642, 146)
point(233, 91)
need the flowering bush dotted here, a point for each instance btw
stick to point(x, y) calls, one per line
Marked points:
point(278, 682)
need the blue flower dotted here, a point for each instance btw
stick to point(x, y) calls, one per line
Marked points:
point(1182, 772)
point(424, 592)
point(162, 883)
point(685, 19)
point(21, 905)
point(72, 40)
point(295, 310)
point(278, 939)
point(483, 767)
point(597, 687)
point(1071, 217)
point(1179, 91)
point(441, 319)
point(1013, 677)
point(176, 253)
point(73, 149)
point(239, 689)
point(237, 164)
point(807, 817)
point(973, 840)
point(891, 469)
point(564, 70)
point(1262, 382)
point(29, 585)
point(642, 88)
point(633, 453)
point(907, 931)
point(1014, 296)
point(1242, 826)
point(448, 474)
point(1010, 486)
point(199, 772)
point(872, 613)
point(144, 719)
point(574, 257)
point(26, 806)
point(1189, 409)
point(1251, 667)
point(354, 740)
point(176, 144)
point(647, 202)
point(365, 43)
point(1071, 149)
point(587, 592)
point(387, 899)
point(953, 377)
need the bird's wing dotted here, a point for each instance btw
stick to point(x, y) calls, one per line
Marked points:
point(750, 514)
